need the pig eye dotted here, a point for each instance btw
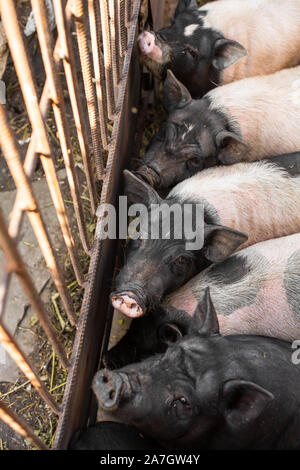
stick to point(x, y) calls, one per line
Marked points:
point(180, 264)
point(194, 162)
point(190, 51)
point(181, 261)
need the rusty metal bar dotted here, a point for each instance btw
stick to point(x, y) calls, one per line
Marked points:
point(111, 160)
point(127, 13)
point(19, 425)
point(80, 23)
point(107, 59)
point(17, 213)
point(95, 30)
point(114, 40)
point(18, 52)
point(23, 363)
point(64, 51)
point(56, 95)
point(29, 203)
point(122, 27)
point(16, 264)
point(91, 319)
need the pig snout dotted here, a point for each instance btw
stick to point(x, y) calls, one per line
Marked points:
point(150, 175)
point(127, 305)
point(146, 42)
point(109, 387)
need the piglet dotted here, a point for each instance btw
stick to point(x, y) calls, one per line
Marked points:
point(242, 204)
point(247, 120)
point(255, 291)
point(224, 41)
point(210, 391)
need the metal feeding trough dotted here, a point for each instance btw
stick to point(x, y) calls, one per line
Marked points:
point(90, 62)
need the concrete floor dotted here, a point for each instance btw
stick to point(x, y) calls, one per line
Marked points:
point(17, 314)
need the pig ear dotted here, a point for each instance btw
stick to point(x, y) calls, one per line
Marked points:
point(242, 402)
point(221, 242)
point(226, 53)
point(232, 148)
point(184, 4)
point(138, 191)
point(175, 94)
point(206, 314)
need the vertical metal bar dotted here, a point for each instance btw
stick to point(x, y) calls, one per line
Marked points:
point(127, 13)
point(15, 263)
point(17, 213)
point(78, 12)
point(122, 27)
point(111, 160)
point(107, 59)
point(101, 257)
point(114, 40)
point(95, 29)
point(18, 52)
point(64, 52)
point(22, 361)
point(56, 94)
point(29, 203)
point(19, 425)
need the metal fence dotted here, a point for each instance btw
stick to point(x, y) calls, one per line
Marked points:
point(105, 32)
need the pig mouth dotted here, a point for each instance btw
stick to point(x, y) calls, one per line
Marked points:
point(149, 175)
point(127, 303)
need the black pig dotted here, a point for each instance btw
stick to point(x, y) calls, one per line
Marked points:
point(109, 435)
point(210, 392)
point(224, 41)
point(258, 199)
point(224, 127)
point(155, 266)
point(197, 59)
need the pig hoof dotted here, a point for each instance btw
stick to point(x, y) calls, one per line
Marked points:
point(127, 305)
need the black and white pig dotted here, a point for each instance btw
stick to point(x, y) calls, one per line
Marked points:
point(247, 120)
point(210, 391)
point(243, 204)
point(255, 291)
point(224, 41)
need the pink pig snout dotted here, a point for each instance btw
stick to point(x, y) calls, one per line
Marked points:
point(146, 42)
point(127, 305)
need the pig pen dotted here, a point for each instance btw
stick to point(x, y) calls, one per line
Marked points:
point(84, 104)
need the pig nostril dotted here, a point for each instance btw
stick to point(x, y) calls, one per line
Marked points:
point(104, 379)
point(112, 394)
